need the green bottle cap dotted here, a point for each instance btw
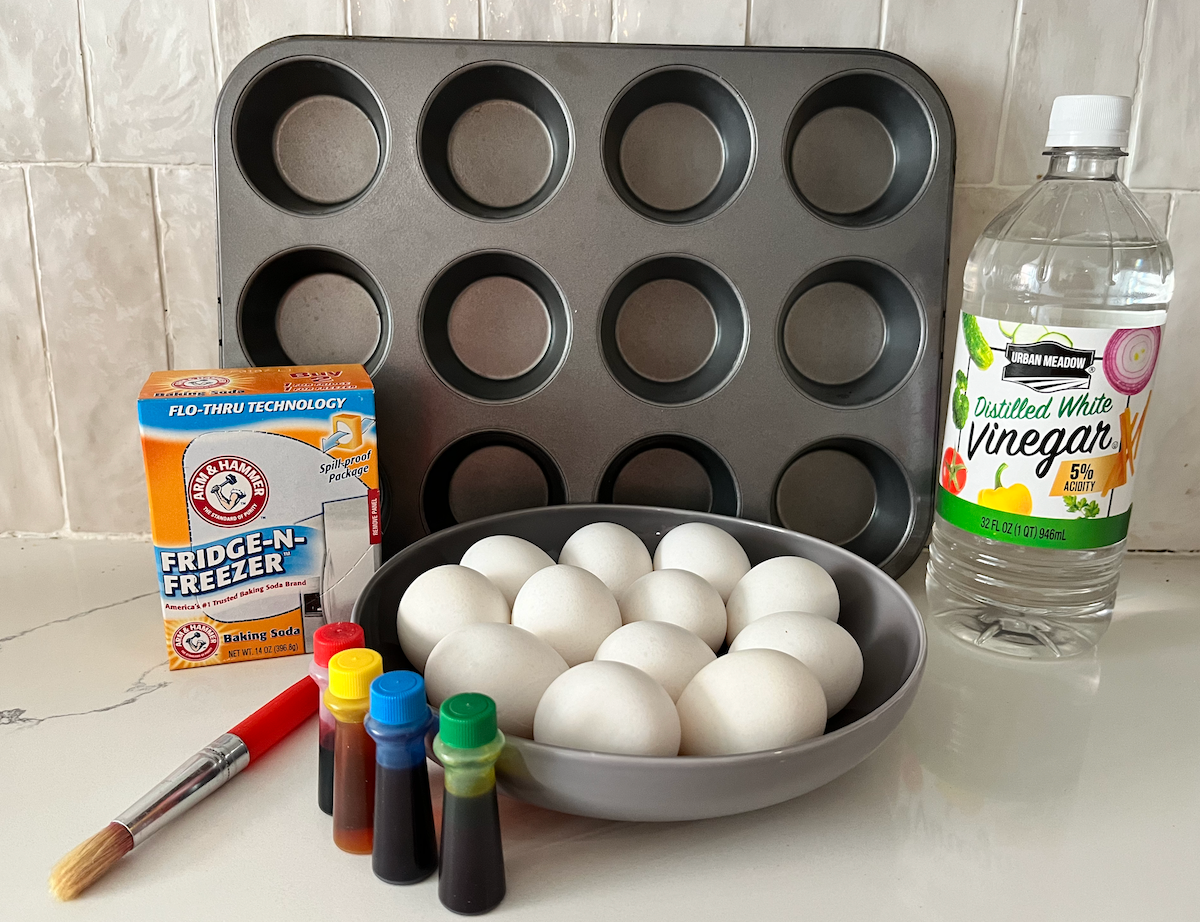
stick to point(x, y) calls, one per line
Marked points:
point(468, 721)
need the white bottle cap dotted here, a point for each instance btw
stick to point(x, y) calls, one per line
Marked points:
point(1090, 121)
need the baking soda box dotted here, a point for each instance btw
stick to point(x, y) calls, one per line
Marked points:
point(264, 505)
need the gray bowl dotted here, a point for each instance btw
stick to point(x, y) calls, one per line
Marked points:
point(875, 610)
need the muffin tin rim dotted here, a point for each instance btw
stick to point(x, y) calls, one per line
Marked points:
point(385, 142)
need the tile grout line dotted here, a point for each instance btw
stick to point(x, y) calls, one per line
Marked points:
point(1135, 121)
point(749, 13)
point(160, 247)
point(214, 40)
point(1009, 80)
point(348, 13)
point(41, 305)
point(89, 102)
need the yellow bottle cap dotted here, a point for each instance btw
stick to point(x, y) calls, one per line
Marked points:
point(352, 671)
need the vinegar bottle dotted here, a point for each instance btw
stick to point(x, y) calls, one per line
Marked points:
point(1064, 299)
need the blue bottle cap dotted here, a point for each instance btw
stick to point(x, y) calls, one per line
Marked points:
point(398, 698)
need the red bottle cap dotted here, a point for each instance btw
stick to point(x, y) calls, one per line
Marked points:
point(333, 638)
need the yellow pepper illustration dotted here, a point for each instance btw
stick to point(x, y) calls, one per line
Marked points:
point(1007, 499)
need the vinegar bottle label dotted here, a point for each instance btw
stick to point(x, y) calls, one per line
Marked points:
point(1043, 431)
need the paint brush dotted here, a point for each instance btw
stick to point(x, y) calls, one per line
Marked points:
point(185, 787)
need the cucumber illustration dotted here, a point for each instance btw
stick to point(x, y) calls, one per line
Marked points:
point(980, 351)
point(960, 406)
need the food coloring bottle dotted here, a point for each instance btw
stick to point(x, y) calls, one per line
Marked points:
point(471, 870)
point(1064, 300)
point(328, 640)
point(405, 849)
point(348, 699)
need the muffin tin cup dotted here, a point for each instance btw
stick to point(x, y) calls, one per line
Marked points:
point(671, 470)
point(850, 492)
point(850, 333)
point(486, 473)
point(333, 158)
point(681, 275)
point(678, 145)
point(259, 309)
point(495, 140)
point(678, 345)
point(859, 149)
point(486, 355)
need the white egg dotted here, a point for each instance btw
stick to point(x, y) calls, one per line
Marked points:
point(508, 664)
point(507, 561)
point(781, 584)
point(442, 600)
point(706, 551)
point(570, 609)
point(822, 645)
point(666, 652)
point(750, 701)
point(612, 552)
point(608, 707)
point(679, 597)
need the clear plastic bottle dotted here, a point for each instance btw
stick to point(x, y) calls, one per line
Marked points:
point(1064, 298)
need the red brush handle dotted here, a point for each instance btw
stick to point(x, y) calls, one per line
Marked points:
point(278, 717)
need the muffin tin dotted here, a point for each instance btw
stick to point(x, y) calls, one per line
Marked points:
point(709, 278)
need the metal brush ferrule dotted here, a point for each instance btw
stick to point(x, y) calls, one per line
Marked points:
point(185, 787)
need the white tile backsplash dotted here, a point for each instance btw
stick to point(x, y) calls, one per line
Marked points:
point(548, 20)
point(1168, 129)
point(1064, 47)
point(141, 90)
point(1157, 205)
point(1166, 503)
point(243, 25)
point(682, 22)
point(104, 322)
point(187, 228)
point(30, 494)
point(415, 18)
point(153, 82)
point(838, 23)
point(43, 110)
point(938, 35)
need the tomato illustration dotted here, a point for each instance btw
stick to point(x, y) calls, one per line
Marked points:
point(954, 471)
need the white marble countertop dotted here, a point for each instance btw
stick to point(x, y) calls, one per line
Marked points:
point(1010, 791)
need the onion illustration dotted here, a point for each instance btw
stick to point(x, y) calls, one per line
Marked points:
point(1129, 359)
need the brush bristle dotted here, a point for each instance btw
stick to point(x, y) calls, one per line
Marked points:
point(90, 860)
